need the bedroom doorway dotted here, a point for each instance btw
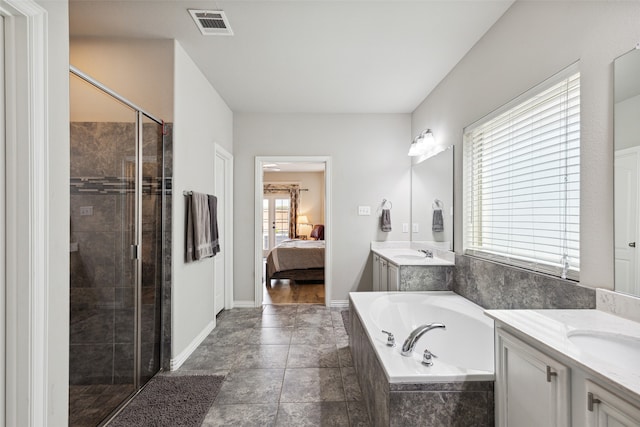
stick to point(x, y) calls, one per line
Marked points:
point(292, 246)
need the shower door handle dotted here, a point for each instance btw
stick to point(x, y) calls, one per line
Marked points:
point(134, 251)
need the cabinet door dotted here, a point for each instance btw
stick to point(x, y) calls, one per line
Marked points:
point(605, 409)
point(376, 273)
point(532, 389)
point(392, 283)
point(383, 274)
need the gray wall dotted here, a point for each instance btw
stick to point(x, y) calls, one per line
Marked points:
point(370, 162)
point(532, 41)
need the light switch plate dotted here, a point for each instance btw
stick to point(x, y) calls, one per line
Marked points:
point(364, 210)
point(86, 210)
point(405, 227)
point(416, 227)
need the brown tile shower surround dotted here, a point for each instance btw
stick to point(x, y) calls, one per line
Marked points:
point(101, 294)
point(285, 365)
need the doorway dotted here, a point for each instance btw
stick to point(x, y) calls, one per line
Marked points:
point(117, 244)
point(288, 206)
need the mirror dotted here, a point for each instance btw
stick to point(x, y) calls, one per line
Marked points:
point(626, 172)
point(432, 189)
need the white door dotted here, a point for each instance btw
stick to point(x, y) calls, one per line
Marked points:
point(626, 220)
point(3, 244)
point(222, 268)
point(275, 221)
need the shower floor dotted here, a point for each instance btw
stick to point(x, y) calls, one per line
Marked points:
point(90, 404)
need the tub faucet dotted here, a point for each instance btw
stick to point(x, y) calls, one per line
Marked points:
point(414, 336)
point(427, 253)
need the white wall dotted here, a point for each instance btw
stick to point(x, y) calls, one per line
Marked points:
point(201, 118)
point(369, 161)
point(140, 70)
point(311, 201)
point(58, 170)
point(532, 41)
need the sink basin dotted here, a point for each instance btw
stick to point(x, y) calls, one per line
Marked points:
point(616, 348)
point(411, 257)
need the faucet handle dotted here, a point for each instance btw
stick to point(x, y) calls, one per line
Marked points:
point(391, 340)
point(427, 356)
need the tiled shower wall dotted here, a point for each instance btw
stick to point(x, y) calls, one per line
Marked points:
point(102, 293)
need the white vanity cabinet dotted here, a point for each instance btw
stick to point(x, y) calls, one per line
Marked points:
point(385, 274)
point(539, 382)
point(606, 409)
point(532, 389)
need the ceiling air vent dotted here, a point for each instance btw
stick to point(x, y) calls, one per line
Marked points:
point(211, 22)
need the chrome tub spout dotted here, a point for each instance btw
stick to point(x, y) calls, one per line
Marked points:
point(415, 335)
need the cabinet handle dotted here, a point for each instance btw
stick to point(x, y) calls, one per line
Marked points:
point(632, 244)
point(591, 400)
point(550, 374)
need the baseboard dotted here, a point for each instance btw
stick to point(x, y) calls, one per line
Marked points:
point(244, 304)
point(177, 361)
point(340, 303)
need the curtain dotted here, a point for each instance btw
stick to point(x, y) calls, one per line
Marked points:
point(294, 201)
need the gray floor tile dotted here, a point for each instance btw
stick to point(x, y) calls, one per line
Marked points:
point(211, 358)
point(344, 354)
point(312, 414)
point(312, 385)
point(289, 310)
point(228, 337)
point(251, 386)
point(262, 357)
point(312, 309)
point(275, 321)
point(358, 416)
point(313, 356)
point(320, 335)
point(351, 386)
point(243, 415)
point(271, 336)
point(312, 320)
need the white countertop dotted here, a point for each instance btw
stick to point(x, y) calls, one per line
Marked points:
point(550, 328)
point(394, 251)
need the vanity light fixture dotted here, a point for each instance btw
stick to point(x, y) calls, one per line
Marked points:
point(425, 146)
point(422, 143)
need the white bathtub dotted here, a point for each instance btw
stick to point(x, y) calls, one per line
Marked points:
point(464, 350)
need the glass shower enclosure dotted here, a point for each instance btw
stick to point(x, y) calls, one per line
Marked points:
point(117, 196)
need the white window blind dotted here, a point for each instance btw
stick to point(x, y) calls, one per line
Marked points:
point(522, 180)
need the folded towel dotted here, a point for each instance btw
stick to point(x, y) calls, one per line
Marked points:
point(437, 223)
point(213, 216)
point(385, 220)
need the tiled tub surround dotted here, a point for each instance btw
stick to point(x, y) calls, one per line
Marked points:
point(499, 286)
point(398, 390)
point(423, 274)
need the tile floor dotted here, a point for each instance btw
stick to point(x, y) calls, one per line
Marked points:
point(285, 365)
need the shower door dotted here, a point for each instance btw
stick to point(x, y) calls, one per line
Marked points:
point(116, 252)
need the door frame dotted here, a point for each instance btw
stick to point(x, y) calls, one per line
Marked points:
point(259, 185)
point(227, 158)
point(27, 214)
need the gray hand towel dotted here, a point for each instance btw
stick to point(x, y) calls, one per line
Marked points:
point(213, 216)
point(438, 221)
point(198, 228)
point(385, 220)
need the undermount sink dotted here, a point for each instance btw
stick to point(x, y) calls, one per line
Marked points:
point(616, 348)
point(411, 257)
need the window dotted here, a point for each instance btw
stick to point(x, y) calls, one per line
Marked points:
point(522, 180)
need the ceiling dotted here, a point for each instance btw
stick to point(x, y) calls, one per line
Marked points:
point(309, 56)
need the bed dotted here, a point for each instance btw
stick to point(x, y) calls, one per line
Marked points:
point(299, 260)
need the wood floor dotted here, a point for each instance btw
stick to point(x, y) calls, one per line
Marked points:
point(285, 291)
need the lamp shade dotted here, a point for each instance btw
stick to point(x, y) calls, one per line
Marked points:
point(422, 144)
point(302, 219)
